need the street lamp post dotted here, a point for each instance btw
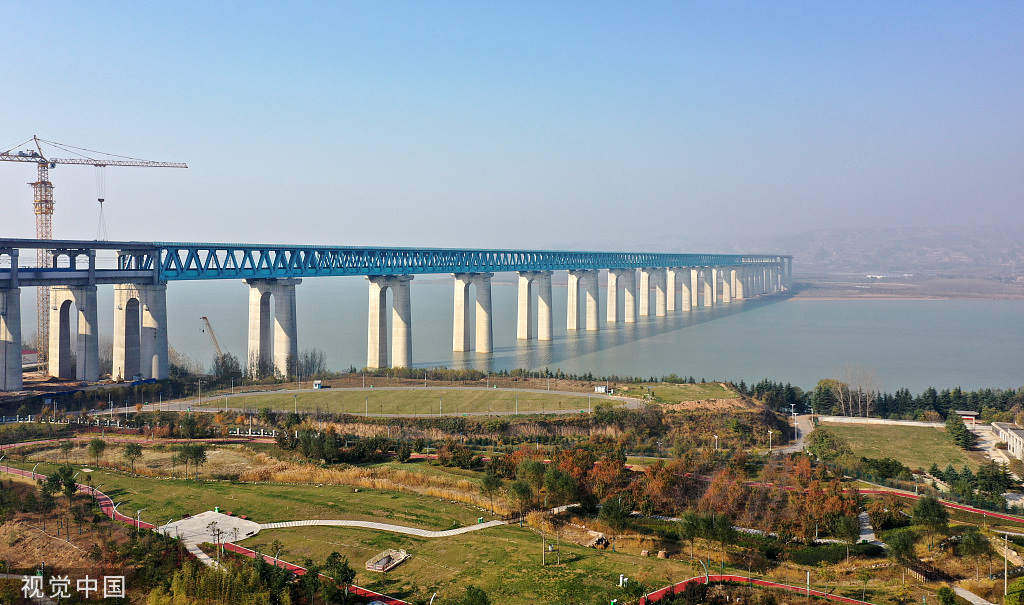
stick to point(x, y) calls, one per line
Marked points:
point(138, 519)
point(770, 441)
point(716, 443)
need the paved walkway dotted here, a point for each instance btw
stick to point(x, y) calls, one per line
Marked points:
point(398, 529)
point(970, 596)
point(867, 533)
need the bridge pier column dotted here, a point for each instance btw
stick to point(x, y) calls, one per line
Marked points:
point(401, 315)
point(377, 324)
point(10, 339)
point(572, 307)
point(671, 289)
point(140, 331)
point(660, 295)
point(629, 296)
point(694, 287)
point(460, 318)
point(685, 285)
point(612, 311)
point(273, 337)
point(726, 285)
point(621, 280)
point(593, 301)
point(484, 330)
point(525, 325)
point(592, 311)
point(645, 292)
point(709, 291)
point(87, 352)
point(543, 280)
point(737, 281)
point(460, 324)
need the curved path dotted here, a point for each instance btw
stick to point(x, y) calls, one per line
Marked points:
point(398, 529)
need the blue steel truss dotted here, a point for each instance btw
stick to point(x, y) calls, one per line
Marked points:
point(190, 261)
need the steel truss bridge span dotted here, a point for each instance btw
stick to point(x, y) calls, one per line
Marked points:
point(158, 262)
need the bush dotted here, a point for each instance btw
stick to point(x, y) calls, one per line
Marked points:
point(834, 553)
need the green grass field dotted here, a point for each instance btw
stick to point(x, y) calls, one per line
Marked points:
point(505, 561)
point(665, 392)
point(265, 503)
point(916, 447)
point(428, 401)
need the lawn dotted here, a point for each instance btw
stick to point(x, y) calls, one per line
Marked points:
point(266, 503)
point(504, 561)
point(666, 392)
point(916, 447)
point(430, 401)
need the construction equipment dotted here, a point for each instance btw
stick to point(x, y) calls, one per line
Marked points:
point(213, 337)
point(42, 201)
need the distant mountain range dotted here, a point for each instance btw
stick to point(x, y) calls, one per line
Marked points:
point(986, 252)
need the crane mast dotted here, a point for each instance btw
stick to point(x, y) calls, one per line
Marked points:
point(213, 337)
point(42, 205)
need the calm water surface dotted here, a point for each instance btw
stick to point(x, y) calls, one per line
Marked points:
point(908, 343)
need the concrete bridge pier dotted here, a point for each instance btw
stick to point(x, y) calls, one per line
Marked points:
point(708, 290)
point(671, 289)
point(737, 284)
point(629, 296)
point(460, 325)
point(529, 281)
point(10, 338)
point(726, 285)
point(660, 295)
point(615, 278)
point(588, 277)
point(685, 285)
point(273, 334)
point(140, 331)
point(87, 352)
point(401, 319)
point(694, 287)
point(645, 291)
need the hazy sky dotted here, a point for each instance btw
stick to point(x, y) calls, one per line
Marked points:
point(675, 125)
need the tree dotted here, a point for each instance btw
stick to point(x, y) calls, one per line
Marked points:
point(66, 476)
point(901, 546)
point(338, 568)
point(521, 493)
point(615, 515)
point(690, 528)
point(974, 545)
point(132, 452)
point(65, 449)
point(226, 367)
point(491, 485)
point(531, 471)
point(958, 432)
point(475, 596)
point(96, 448)
point(928, 511)
point(826, 445)
point(848, 529)
point(560, 485)
point(946, 596)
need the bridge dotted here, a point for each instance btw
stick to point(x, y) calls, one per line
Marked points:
point(140, 272)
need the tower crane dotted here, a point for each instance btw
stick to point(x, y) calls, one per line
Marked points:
point(42, 202)
point(213, 337)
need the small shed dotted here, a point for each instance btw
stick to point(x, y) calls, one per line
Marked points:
point(968, 416)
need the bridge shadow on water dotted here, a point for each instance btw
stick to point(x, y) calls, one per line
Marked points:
point(567, 345)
